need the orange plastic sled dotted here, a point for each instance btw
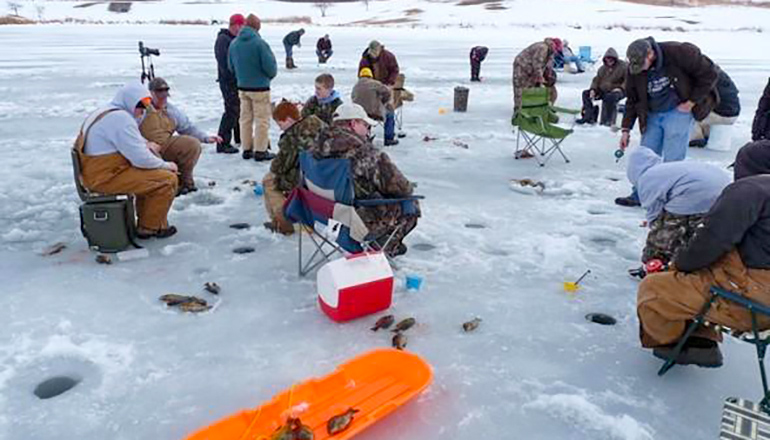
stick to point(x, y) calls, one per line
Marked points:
point(375, 383)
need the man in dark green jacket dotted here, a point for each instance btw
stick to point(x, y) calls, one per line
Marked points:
point(253, 63)
point(289, 41)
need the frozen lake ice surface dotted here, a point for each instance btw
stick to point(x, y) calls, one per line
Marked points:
point(534, 369)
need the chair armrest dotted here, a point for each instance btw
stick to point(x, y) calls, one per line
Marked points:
point(378, 202)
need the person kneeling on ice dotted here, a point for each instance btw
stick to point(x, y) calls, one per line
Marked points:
point(731, 251)
point(323, 49)
point(325, 101)
point(299, 134)
point(375, 98)
point(375, 176)
point(116, 159)
point(606, 86)
point(675, 196)
point(565, 56)
point(161, 121)
point(725, 113)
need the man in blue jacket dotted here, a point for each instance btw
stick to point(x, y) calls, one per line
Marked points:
point(253, 63)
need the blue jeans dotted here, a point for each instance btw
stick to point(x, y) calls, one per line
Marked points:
point(390, 126)
point(668, 135)
point(288, 48)
point(574, 59)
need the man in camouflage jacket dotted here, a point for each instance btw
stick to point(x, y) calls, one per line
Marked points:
point(298, 135)
point(533, 67)
point(375, 176)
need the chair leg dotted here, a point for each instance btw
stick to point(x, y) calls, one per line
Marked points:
point(319, 256)
point(761, 345)
point(698, 320)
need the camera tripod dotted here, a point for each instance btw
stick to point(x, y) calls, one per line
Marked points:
point(148, 73)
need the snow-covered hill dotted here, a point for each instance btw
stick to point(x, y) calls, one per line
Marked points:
point(504, 14)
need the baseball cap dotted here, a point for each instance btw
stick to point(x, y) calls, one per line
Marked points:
point(351, 111)
point(237, 19)
point(375, 45)
point(636, 54)
point(158, 84)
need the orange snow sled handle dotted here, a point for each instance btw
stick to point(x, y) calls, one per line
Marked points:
point(375, 383)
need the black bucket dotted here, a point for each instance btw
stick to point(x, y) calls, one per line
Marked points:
point(461, 99)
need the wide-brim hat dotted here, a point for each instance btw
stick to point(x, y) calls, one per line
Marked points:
point(350, 111)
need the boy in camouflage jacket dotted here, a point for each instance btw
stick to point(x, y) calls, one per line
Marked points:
point(325, 101)
point(298, 135)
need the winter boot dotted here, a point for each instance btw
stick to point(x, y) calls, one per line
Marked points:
point(288, 63)
point(261, 156)
point(291, 64)
point(226, 149)
point(699, 143)
point(627, 201)
point(589, 115)
point(594, 115)
point(696, 351)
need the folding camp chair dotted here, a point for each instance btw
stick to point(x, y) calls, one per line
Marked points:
point(535, 122)
point(324, 204)
point(760, 339)
point(584, 53)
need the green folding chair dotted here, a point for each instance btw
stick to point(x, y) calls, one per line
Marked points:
point(535, 124)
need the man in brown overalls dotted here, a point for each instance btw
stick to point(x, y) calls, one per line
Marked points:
point(115, 159)
point(160, 123)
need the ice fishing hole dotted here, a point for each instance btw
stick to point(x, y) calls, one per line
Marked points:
point(55, 386)
point(475, 226)
point(243, 250)
point(601, 318)
point(424, 247)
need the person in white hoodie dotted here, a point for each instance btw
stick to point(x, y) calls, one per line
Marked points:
point(116, 159)
point(676, 196)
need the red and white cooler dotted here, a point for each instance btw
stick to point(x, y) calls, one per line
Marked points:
point(355, 286)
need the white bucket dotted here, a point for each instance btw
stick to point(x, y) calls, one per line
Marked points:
point(720, 138)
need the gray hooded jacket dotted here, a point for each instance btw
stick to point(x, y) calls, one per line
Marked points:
point(681, 188)
point(118, 131)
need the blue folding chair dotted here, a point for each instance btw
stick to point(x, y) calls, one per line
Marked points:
point(584, 53)
point(324, 204)
point(760, 339)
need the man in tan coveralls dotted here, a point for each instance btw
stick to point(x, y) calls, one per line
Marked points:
point(160, 123)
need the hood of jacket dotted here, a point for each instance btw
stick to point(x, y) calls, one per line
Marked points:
point(130, 95)
point(226, 33)
point(752, 159)
point(329, 99)
point(247, 34)
point(640, 160)
point(611, 53)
